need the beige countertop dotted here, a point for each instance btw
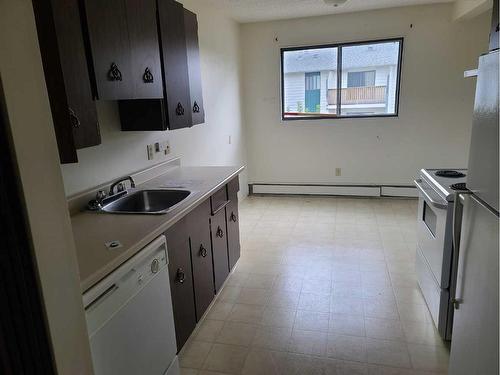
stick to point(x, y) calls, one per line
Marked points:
point(93, 230)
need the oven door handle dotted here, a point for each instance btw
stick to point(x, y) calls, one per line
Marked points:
point(427, 197)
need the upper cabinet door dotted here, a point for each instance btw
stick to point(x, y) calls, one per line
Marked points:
point(81, 107)
point(194, 70)
point(67, 78)
point(145, 50)
point(173, 45)
point(125, 51)
point(109, 41)
point(495, 27)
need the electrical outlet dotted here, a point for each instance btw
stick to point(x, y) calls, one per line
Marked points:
point(150, 152)
point(338, 171)
point(157, 147)
point(166, 147)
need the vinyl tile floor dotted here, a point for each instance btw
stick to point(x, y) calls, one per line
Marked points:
point(324, 286)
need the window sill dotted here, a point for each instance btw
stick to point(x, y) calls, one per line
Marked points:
point(335, 117)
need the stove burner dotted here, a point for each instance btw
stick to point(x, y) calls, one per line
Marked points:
point(449, 173)
point(459, 186)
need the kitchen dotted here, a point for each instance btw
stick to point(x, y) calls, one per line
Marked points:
point(293, 239)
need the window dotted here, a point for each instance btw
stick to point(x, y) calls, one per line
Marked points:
point(341, 80)
point(361, 79)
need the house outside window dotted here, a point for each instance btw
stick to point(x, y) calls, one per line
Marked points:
point(361, 79)
point(343, 80)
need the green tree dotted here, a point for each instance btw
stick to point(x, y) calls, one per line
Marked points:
point(300, 106)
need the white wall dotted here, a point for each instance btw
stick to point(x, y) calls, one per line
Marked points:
point(208, 144)
point(34, 143)
point(470, 8)
point(433, 127)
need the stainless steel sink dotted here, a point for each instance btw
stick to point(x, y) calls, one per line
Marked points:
point(158, 201)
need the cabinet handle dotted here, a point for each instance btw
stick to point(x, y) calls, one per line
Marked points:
point(114, 73)
point(203, 251)
point(219, 233)
point(147, 77)
point(75, 121)
point(196, 108)
point(233, 217)
point(181, 276)
point(179, 110)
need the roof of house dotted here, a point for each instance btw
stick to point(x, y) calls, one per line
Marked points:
point(318, 59)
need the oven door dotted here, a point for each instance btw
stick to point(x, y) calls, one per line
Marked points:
point(434, 232)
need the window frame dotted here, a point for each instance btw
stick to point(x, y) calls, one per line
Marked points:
point(339, 79)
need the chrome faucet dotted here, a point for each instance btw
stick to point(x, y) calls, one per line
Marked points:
point(120, 186)
point(96, 204)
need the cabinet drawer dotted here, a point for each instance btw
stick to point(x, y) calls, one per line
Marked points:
point(201, 256)
point(219, 248)
point(233, 187)
point(218, 200)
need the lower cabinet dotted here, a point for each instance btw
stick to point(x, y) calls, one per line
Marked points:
point(219, 248)
point(181, 281)
point(199, 257)
point(232, 220)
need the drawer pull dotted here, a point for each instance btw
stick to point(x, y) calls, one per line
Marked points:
point(181, 276)
point(219, 233)
point(203, 251)
point(233, 217)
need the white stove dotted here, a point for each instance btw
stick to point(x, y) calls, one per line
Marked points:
point(445, 181)
point(435, 263)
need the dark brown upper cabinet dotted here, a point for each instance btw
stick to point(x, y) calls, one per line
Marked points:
point(67, 77)
point(495, 27)
point(173, 49)
point(182, 103)
point(123, 43)
point(194, 69)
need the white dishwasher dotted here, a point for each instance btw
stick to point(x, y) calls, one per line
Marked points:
point(130, 319)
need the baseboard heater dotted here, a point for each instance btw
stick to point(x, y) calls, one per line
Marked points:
point(340, 190)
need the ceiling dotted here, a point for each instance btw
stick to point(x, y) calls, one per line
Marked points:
point(265, 10)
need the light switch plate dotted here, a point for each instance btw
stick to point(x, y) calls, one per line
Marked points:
point(166, 147)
